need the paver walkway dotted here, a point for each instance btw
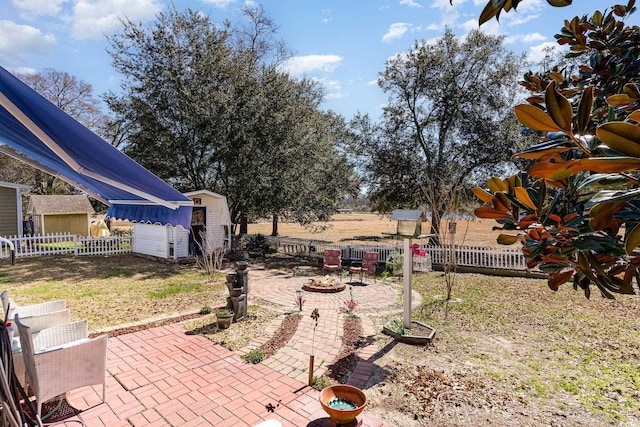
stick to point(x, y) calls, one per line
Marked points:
point(167, 377)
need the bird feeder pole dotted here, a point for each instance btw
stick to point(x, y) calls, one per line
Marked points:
point(407, 276)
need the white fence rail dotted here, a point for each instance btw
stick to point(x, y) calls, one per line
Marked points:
point(65, 243)
point(468, 256)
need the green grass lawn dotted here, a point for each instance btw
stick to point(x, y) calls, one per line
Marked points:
point(111, 290)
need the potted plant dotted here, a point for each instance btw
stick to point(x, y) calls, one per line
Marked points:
point(224, 317)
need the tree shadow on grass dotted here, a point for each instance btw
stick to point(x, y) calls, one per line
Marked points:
point(86, 268)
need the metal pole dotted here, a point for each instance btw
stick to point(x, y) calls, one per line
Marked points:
point(407, 273)
point(311, 370)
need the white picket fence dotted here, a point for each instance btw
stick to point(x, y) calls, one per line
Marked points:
point(65, 243)
point(468, 256)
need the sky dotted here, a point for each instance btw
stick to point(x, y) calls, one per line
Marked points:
point(344, 44)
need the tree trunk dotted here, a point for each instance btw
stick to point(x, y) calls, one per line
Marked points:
point(436, 219)
point(244, 228)
point(274, 225)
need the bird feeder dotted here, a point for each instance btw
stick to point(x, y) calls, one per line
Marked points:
point(409, 227)
point(409, 222)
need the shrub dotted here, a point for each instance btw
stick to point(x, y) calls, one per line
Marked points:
point(318, 383)
point(205, 310)
point(394, 263)
point(254, 357)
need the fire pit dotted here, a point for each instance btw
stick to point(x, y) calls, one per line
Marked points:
point(326, 284)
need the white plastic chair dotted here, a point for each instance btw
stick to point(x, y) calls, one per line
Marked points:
point(61, 359)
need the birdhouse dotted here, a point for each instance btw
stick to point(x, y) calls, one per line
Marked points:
point(409, 222)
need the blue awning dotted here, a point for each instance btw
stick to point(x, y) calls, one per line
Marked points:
point(48, 138)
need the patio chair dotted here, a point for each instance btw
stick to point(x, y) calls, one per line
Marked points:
point(332, 261)
point(61, 359)
point(368, 265)
point(30, 310)
point(38, 316)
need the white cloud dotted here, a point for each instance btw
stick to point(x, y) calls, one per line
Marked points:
point(395, 31)
point(410, 3)
point(333, 88)
point(22, 70)
point(516, 18)
point(17, 40)
point(537, 53)
point(526, 11)
point(373, 82)
point(492, 28)
point(471, 24)
point(532, 38)
point(301, 65)
point(446, 7)
point(327, 16)
point(94, 18)
point(220, 3)
point(39, 7)
point(449, 19)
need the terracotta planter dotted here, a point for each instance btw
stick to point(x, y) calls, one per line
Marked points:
point(224, 320)
point(343, 392)
point(236, 292)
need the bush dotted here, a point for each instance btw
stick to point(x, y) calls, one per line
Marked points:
point(318, 383)
point(254, 357)
point(205, 310)
point(394, 263)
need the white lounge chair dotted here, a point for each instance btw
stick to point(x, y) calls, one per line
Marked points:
point(61, 359)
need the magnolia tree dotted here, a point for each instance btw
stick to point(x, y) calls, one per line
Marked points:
point(576, 210)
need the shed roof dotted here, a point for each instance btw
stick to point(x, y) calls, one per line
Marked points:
point(407, 215)
point(59, 204)
point(14, 185)
point(192, 194)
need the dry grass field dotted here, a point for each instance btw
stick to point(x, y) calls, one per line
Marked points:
point(369, 227)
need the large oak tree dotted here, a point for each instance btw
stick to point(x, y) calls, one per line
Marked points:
point(449, 119)
point(203, 109)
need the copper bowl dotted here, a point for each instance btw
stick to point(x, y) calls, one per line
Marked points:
point(346, 392)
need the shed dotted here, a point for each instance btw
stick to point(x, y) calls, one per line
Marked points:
point(210, 229)
point(210, 219)
point(60, 214)
point(11, 208)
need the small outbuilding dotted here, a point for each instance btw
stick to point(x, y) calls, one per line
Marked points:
point(11, 208)
point(60, 214)
point(210, 222)
point(210, 230)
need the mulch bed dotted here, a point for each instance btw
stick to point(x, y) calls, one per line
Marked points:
point(347, 359)
point(282, 337)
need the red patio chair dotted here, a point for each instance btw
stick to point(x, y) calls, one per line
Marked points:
point(368, 265)
point(332, 261)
